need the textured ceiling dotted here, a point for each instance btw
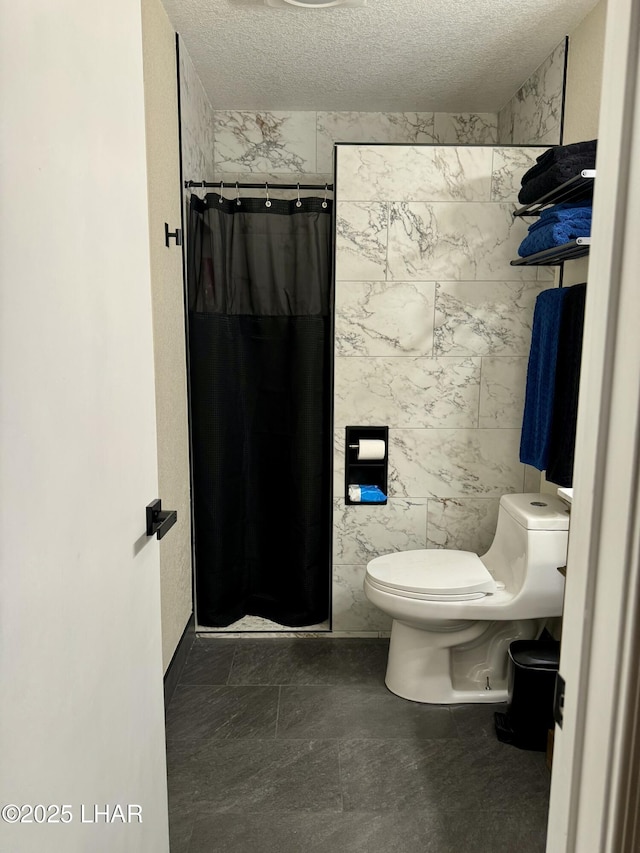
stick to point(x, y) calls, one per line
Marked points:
point(391, 55)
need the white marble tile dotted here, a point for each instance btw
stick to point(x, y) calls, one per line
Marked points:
point(194, 159)
point(361, 241)
point(536, 107)
point(505, 124)
point(359, 634)
point(258, 623)
point(412, 173)
point(352, 610)
point(509, 165)
point(384, 317)
point(407, 392)
point(303, 633)
point(339, 455)
point(369, 127)
point(229, 178)
point(484, 317)
point(265, 141)
point(462, 524)
point(502, 388)
point(197, 123)
point(361, 533)
point(449, 463)
point(548, 274)
point(532, 479)
point(466, 128)
point(450, 240)
point(550, 136)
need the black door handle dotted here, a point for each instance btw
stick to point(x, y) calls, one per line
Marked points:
point(159, 520)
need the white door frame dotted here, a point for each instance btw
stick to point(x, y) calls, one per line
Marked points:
point(599, 658)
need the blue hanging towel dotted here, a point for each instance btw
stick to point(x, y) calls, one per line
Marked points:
point(541, 378)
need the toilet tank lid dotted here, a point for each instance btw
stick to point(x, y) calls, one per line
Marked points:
point(432, 572)
point(536, 511)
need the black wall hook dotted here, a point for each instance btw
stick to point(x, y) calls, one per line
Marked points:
point(177, 235)
point(159, 521)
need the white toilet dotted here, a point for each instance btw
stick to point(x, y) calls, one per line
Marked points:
point(454, 613)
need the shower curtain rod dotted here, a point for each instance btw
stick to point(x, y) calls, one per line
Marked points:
point(263, 185)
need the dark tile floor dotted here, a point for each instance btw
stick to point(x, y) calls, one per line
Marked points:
point(296, 746)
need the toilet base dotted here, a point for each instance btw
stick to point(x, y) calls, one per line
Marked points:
point(453, 697)
point(453, 666)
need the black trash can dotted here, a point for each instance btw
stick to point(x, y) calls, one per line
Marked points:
point(533, 665)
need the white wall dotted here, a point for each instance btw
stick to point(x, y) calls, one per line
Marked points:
point(163, 166)
point(584, 76)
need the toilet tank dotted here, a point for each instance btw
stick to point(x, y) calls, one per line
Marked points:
point(529, 545)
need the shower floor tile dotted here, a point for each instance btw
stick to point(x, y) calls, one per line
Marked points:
point(259, 624)
point(289, 745)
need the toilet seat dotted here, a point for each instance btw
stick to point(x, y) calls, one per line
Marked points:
point(432, 575)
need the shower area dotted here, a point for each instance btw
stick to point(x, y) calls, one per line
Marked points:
point(427, 334)
point(260, 365)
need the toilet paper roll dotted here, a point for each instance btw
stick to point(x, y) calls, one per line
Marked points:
point(371, 448)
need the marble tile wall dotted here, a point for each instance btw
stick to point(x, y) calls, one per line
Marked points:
point(533, 115)
point(432, 337)
point(197, 123)
point(299, 145)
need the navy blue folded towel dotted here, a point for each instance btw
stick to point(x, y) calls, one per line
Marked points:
point(556, 166)
point(557, 225)
point(562, 436)
point(541, 377)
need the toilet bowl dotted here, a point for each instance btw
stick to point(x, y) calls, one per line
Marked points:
point(455, 613)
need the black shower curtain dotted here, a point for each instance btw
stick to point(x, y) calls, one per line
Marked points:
point(259, 281)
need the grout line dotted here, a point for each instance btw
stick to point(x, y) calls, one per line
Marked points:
point(434, 292)
point(426, 522)
point(443, 357)
point(386, 256)
point(340, 777)
point(275, 733)
point(233, 660)
point(505, 202)
point(480, 393)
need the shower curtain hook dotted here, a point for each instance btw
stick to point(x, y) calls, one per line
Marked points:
point(298, 202)
point(324, 200)
point(221, 199)
point(268, 201)
point(237, 194)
